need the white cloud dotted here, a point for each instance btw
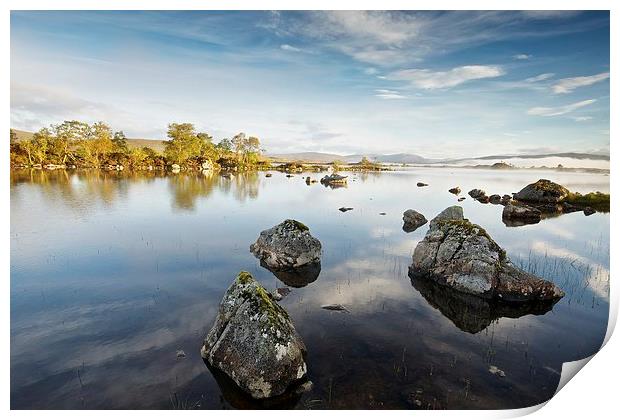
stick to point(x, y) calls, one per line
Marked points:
point(371, 71)
point(582, 119)
point(522, 57)
point(428, 79)
point(389, 94)
point(569, 84)
point(560, 110)
point(540, 77)
point(287, 47)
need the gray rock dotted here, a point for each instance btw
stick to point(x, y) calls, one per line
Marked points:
point(521, 212)
point(412, 220)
point(461, 255)
point(287, 245)
point(506, 199)
point(589, 211)
point(451, 213)
point(477, 193)
point(422, 184)
point(254, 342)
point(495, 199)
point(333, 179)
point(542, 191)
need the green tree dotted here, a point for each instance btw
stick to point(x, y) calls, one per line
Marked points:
point(247, 148)
point(67, 137)
point(183, 143)
point(41, 142)
point(120, 142)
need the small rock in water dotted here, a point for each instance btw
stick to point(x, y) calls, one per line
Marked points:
point(335, 308)
point(421, 184)
point(460, 199)
point(280, 293)
point(588, 211)
point(495, 198)
point(289, 175)
point(268, 175)
point(344, 209)
point(455, 190)
point(496, 371)
point(180, 354)
point(384, 213)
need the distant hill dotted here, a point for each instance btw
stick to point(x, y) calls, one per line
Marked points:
point(317, 157)
point(157, 145)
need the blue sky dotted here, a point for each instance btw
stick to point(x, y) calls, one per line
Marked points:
point(438, 84)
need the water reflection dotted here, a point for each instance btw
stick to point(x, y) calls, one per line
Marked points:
point(296, 277)
point(112, 273)
point(470, 313)
point(237, 398)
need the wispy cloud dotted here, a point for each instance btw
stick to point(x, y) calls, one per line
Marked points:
point(287, 47)
point(389, 94)
point(428, 79)
point(582, 119)
point(522, 57)
point(569, 84)
point(540, 77)
point(560, 110)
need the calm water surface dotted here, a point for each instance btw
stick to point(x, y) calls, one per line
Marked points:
point(111, 274)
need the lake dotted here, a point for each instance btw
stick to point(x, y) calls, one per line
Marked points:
point(113, 273)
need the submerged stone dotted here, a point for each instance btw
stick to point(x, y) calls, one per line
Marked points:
point(254, 342)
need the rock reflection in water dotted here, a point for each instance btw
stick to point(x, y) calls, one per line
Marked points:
point(239, 399)
point(296, 277)
point(470, 313)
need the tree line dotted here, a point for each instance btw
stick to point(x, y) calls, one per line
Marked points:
point(79, 144)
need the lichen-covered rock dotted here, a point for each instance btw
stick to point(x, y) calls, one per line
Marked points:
point(412, 220)
point(461, 255)
point(450, 213)
point(521, 212)
point(254, 342)
point(287, 245)
point(542, 191)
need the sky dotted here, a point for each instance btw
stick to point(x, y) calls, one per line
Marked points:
point(436, 84)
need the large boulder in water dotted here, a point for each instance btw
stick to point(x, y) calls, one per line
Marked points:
point(461, 255)
point(287, 245)
point(254, 342)
point(542, 191)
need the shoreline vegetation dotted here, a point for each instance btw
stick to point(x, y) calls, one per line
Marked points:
point(76, 144)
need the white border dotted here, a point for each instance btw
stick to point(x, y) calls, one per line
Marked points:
point(592, 395)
